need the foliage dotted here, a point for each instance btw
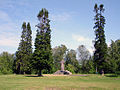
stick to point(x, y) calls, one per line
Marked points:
point(85, 60)
point(47, 60)
point(42, 56)
point(90, 66)
point(114, 56)
point(71, 62)
point(83, 53)
point(24, 52)
point(100, 54)
point(6, 62)
point(70, 68)
point(59, 53)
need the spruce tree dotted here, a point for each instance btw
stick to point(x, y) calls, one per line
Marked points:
point(23, 54)
point(100, 54)
point(28, 48)
point(42, 56)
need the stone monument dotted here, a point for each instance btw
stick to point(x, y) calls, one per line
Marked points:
point(62, 71)
point(62, 65)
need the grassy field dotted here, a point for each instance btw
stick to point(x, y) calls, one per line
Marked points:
point(48, 82)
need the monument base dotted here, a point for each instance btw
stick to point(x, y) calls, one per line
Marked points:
point(65, 72)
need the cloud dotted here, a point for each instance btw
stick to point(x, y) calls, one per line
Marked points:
point(84, 41)
point(4, 17)
point(80, 38)
point(6, 24)
point(8, 35)
point(8, 40)
point(60, 17)
point(12, 3)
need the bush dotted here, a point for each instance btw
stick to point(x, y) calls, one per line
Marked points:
point(6, 63)
point(70, 68)
point(117, 72)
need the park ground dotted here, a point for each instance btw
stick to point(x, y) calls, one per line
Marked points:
point(53, 82)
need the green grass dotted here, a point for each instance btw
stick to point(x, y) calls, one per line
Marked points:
point(90, 82)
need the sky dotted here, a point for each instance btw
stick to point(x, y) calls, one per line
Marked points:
point(72, 21)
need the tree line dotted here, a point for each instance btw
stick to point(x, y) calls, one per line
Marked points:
point(45, 59)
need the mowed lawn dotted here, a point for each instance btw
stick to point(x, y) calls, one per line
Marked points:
point(49, 82)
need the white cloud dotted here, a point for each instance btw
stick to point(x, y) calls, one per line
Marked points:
point(4, 17)
point(80, 38)
point(60, 17)
point(11, 3)
point(8, 40)
point(84, 41)
point(9, 36)
point(8, 27)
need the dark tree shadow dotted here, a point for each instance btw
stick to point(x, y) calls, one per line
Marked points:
point(113, 75)
point(33, 76)
point(78, 75)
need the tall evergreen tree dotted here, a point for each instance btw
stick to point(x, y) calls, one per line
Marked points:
point(23, 54)
point(100, 54)
point(42, 56)
point(28, 48)
point(29, 39)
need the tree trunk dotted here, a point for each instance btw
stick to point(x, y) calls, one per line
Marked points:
point(96, 70)
point(102, 72)
point(24, 73)
point(40, 73)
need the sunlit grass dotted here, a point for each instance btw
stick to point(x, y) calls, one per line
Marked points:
point(49, 82)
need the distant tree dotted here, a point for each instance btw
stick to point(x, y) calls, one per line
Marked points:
point(88, 66)
point(59, 53)
point(118, 47)
point(114, 56)
point(100, 54)
point(24, 52)
point(114, 53)
point(83, 57)
point(42, 56)
point(6, 62)
point(71, 61)
point(83, 53)
point(70, 68)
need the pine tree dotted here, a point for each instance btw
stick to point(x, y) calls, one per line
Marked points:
point(100, 54)
point(28, 48)
point(29, 39)
point(23, 54)
point(42, 56)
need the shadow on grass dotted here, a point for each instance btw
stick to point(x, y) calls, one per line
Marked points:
point(32, 76)
point(78, 75)
point(112, 75)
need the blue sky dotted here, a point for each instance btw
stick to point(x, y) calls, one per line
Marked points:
point(71, 21)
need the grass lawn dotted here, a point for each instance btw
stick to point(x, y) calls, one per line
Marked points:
point(48, 82)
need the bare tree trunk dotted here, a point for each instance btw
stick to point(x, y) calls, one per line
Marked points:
point(102, 72)
point(40, 73)
point(96, 70)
